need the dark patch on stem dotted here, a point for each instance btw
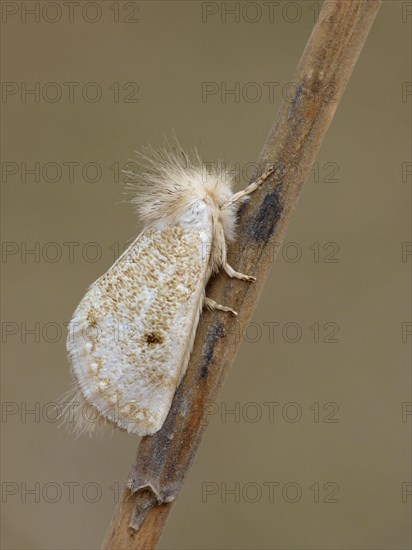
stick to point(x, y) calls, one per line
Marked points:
point(296, 100)
point(262, 227)
point(214, 332)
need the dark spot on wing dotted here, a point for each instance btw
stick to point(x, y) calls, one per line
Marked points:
point(153, 338)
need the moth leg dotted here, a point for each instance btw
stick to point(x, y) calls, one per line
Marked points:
point(236, 275)
point(229, 269)
point(212, 305)
point(249, 189)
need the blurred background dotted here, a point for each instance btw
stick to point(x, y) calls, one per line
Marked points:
point(308, 445)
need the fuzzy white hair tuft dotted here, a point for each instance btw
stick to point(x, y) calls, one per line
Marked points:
point(78, 415)
point(169, 181)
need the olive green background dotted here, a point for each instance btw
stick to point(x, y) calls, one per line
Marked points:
point(358, 446)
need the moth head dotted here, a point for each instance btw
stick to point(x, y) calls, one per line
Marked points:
point(217, 184)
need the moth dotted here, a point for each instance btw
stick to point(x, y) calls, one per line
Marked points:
point(131, 336)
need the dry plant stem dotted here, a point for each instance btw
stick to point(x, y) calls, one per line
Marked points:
point(163, 460)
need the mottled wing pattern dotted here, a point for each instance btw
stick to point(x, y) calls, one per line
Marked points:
point(131, 335)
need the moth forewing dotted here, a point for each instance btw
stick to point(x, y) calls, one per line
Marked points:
point(132, 333)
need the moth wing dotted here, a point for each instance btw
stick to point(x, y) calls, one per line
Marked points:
point(131, 335)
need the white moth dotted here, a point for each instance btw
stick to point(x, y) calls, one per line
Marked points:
point(131, 336)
